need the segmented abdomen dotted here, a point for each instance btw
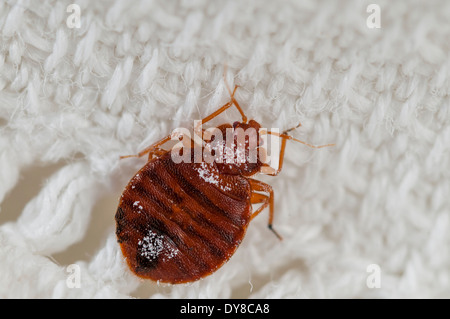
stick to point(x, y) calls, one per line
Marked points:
point(180, 222)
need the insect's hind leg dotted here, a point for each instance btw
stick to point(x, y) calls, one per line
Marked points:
point(266, 200)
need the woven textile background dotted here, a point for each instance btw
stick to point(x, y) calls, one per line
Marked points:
point(368, 218)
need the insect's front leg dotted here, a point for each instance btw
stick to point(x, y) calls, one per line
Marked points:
point(155, 149)
point(266, 200)
point(269, 170)
point(151, 149)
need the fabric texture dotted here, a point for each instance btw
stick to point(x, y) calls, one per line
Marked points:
point(367, 218)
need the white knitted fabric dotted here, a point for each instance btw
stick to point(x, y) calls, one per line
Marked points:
point(72, 100)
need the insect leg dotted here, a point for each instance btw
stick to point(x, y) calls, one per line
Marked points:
point(267, 200)
point(149, 150)
point(244, 118)
point(233, 100)
point(154, 149)
point(258, 198)
point(226, 106)
point(267, 169)
point(288, 137)
point(217, 112)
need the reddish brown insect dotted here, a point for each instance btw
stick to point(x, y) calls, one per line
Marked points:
point(179, 222)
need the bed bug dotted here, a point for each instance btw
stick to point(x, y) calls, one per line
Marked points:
point(179, 222)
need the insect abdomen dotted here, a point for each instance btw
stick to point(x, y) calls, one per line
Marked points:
point(176, 223)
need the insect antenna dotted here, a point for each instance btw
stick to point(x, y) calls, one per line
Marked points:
point(284, 135)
